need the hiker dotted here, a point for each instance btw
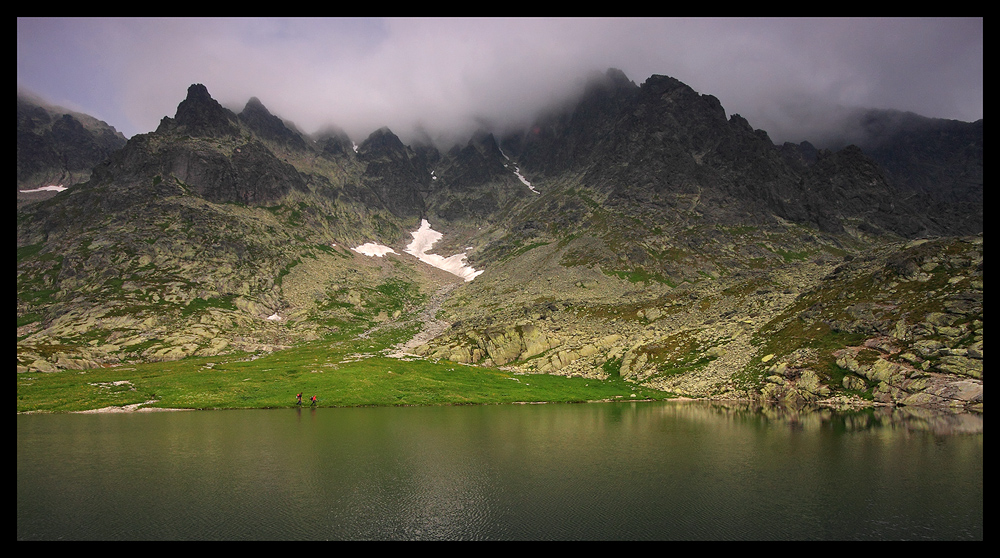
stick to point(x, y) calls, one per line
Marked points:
point(298, 399)
point(314, 401)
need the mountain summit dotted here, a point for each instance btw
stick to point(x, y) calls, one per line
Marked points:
point(201, 115)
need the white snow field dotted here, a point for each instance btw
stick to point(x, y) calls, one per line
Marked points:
point(58, 188)
point(423, 239)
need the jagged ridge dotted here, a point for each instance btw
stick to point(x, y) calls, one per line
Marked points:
point(645, 200)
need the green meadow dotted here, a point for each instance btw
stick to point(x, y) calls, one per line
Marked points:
point(339, 372)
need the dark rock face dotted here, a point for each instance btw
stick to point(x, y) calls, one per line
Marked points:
point(57, 148)
point(253, 176)
point(938, 157)
point(937, 163)
point(249, 174)
point(566, 139)
point(473, 182)
point(648, 148)
point(799, 155)
point(269, 127)
point(651, 145)
point(333, 143)
point(392, 175)
point(478, 163)
point(846, 185)
point(240, 169)
point(201, 115)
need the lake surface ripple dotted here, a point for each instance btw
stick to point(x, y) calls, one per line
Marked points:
point(599, 471)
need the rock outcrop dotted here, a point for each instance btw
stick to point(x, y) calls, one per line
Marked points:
point(57, 147)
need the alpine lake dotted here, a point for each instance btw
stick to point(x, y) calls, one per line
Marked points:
point(638, 470)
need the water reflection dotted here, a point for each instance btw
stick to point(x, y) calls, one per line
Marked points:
point(617, 471)
point(940, 421)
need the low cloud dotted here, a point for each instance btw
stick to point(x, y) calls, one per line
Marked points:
point(449, 76)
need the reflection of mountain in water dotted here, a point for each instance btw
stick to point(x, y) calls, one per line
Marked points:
point(918, 419)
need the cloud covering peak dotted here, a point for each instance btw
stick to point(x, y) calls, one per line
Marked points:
point(449, 76)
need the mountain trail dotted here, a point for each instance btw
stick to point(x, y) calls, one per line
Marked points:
point(432, 326)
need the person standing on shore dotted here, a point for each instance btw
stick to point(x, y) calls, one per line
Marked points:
point(298, 399)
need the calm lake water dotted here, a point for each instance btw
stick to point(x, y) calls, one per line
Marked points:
point(625, 471)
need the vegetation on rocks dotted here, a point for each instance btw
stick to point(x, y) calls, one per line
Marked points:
point(661, 248)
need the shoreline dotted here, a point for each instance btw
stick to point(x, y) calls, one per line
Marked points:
point(133, 408)
point(833, 404)
point(138, 407)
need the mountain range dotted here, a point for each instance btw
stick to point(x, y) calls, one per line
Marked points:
point(640, 232)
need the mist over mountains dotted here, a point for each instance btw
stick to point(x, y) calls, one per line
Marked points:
point(57, 147)
point(606, 232)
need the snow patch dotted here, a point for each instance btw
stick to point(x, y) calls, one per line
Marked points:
point(517, 172)
point(52, 188)
point(372, 249)
point(424, 238)
point(274, 317)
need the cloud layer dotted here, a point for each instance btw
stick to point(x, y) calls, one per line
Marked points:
point(449, 75)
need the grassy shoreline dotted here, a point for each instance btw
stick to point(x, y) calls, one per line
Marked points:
point(332, 371)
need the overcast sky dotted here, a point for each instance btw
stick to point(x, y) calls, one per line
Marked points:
point(783, 75)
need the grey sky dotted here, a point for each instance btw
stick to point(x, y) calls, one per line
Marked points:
point(783, 75)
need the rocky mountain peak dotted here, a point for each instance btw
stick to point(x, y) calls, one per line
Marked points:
point(741, 123)
point(485, 142)
point(382, 143)
point(57, 147)
point(201, 115)
point(657, 85)
point(334, 142)
point(609, 83)
point(618, 78)
point(392, 174)
point(198, 93)
point(255, 104)
point(268, 126)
